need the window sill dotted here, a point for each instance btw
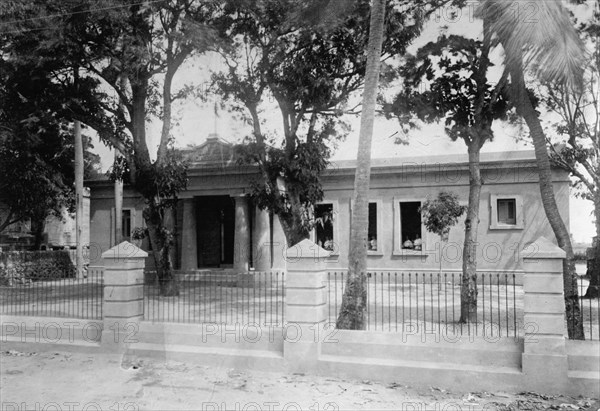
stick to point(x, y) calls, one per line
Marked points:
point(374, 253)
point(506, 227)
point(411, 253)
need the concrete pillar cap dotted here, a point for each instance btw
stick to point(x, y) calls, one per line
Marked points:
point(543, 248)
point(124, 250)
point(306, 250)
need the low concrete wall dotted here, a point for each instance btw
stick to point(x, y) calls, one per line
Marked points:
point(462, 364)
point(543, 361)
point(238, 345)
point(50, 334)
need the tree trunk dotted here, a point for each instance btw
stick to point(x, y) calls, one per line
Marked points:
point(354, 301)
point(79, 199)
point(527, 111)
point(37, 228)
point(118, 209)
point(468, 291)
point(593, 260)
point(291, 222)
point(161, 251)
point(152, 216)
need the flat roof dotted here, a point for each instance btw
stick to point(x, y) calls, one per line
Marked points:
point(455, 159)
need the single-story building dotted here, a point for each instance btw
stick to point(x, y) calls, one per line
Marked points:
point(217, 227)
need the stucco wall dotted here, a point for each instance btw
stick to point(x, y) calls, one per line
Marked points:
point(498, 248)
point(102, 235)
point(391, 181)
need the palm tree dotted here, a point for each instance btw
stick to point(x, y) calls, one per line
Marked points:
point(352, 312)
point(547, 44)
point(79, 199)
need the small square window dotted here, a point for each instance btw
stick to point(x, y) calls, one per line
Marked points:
point(507, 211)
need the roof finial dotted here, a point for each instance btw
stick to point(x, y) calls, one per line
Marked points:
point(216, 116)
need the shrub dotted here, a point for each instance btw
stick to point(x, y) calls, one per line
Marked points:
point(26, 266)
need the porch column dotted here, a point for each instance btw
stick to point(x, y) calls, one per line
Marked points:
point(241, 250)
point(189, 255)
point(544, 355)
point(261, 241)
point(279, 245)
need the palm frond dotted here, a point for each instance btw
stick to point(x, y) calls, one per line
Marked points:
point(539, 35)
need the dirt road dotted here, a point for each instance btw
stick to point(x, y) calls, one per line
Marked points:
point(60, 381)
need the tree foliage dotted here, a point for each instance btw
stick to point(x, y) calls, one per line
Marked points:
point(124, 56)
point(310, 72)
point(36, 147)
point(441, 213)
point(577, 146)
point(440, 83)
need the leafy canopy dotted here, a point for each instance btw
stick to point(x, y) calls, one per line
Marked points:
point(440, 214)
point(447, 80)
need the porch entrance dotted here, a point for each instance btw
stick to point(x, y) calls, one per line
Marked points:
point(215, 225)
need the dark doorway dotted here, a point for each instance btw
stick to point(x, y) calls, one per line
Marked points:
point(215, 222)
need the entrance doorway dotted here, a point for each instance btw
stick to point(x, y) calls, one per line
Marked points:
point(215, 231)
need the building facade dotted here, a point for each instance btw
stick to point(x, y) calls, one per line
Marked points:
point(217, 227)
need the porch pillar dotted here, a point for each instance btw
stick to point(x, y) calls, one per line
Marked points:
point(189, 253)
point(241, 250)
point(279, 245)
point(544, 356)
point(261, 241)
point(305, 305)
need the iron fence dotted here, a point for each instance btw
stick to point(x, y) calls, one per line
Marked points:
point(589, 305)
point(416, 302)
point(217, 297)
point(65, 297)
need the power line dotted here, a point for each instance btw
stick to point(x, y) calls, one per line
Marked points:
point(72, 14)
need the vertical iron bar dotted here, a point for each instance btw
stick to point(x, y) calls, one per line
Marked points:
point(389, 305)
point(438, 305)
point(498, 299)
point(409, 298)
point(375, 297)
point(491, 305)
point(431, 297)
point(382, 304)
point(514, 307)
point(417, 297)
point(396, 298)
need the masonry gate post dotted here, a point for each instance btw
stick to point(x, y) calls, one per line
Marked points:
point(123, 305)
point(544, 356)
point(305, 305)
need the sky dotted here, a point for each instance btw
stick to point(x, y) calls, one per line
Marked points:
point(195, 120)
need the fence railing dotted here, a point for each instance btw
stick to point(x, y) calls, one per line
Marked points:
point(589, 304)
point(65, 297)
point(415, 302)
point(217, 297)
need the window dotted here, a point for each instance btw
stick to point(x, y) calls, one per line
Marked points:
point(324, 216)
point(372, 231)
point(507, 211)
point(375, 244)
point(126, 225)
point(410, 225)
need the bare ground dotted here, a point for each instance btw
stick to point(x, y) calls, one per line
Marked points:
point(60, 381)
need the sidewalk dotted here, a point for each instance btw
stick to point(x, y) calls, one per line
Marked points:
point(61, 381)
